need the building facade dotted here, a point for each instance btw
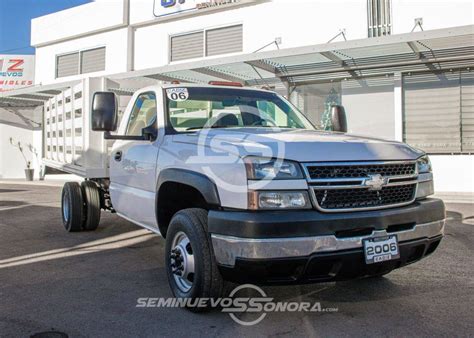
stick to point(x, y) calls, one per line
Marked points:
point(20, 124)
point(430, 110)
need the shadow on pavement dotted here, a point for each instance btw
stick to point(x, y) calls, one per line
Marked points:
point(10, 190)
point(11, 203)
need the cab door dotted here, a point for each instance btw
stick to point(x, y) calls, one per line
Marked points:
point(133, 164)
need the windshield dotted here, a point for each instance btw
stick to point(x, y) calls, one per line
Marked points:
point(194, 108)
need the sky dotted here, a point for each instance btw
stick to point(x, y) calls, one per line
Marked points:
point(15, 21)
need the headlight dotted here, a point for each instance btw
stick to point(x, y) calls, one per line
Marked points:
point(279, 200)
point(270, 169)
point(425, 189)
point(425, 177)
point(424, 165)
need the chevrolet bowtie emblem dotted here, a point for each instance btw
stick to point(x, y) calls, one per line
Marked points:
point(375, 182)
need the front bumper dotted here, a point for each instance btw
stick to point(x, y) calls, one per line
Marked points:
point(324, 267)
point(227, 249)
point(244, 242)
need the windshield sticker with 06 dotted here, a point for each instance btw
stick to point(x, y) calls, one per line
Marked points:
point(177, 94)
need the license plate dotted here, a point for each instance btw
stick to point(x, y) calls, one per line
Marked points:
point(381, 249)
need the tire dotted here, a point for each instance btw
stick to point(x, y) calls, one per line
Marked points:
point(91, 194)
point(72, 206)
point(206, 281)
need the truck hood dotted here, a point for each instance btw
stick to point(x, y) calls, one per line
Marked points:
point(299, 145)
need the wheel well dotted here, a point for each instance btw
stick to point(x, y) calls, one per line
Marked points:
point(173, 197)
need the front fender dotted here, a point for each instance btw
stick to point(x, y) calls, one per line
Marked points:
point(200, 182)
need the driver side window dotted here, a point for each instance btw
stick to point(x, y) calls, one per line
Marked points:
point(143, 114)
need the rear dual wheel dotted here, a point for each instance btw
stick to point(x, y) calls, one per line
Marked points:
point(80, 206)
point(91, 195)
point(72, 207)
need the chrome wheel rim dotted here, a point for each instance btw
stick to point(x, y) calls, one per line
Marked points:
point(182, 262)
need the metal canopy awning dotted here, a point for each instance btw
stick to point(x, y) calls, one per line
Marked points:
point(33, 96)
point(435, 50)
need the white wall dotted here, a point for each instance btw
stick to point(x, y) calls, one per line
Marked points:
point(435, 13)
point(296, 22)
point(369, 107)
point(88, 18)
point(12, 164)
point(453, 173)
point(115, 58)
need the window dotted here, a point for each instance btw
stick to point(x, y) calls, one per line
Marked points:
point(224, 40)
point(82, 62)
point(78, 113)
point(231, 108)
point(143, 114)
point(67, 65)
point(315, 100)
point(93, 60)
point(438, 112)
point(78, 151)
point(217, 41)
point(187, 46)
point(379, 17)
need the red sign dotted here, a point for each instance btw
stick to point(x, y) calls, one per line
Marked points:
point(16, 71)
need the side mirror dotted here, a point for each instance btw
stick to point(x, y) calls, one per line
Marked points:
point(104, 112)
point(338, 119)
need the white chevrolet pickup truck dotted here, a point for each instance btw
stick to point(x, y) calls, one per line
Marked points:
point(246, 190)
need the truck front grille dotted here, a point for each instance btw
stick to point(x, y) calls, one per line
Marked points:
point(360, 171)
point(353, 186)
point(334, 199)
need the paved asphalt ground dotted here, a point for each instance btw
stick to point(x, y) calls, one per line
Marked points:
point(87, 284)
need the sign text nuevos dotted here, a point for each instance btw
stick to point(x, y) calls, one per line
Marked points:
point(16, 71)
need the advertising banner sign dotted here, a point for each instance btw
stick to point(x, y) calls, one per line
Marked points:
point(16, 71)
point(163, 8)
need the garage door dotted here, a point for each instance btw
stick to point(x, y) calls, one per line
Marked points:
point(439, 111)
point(467, 111)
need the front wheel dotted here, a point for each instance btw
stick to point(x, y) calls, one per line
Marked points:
point(191, 267)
